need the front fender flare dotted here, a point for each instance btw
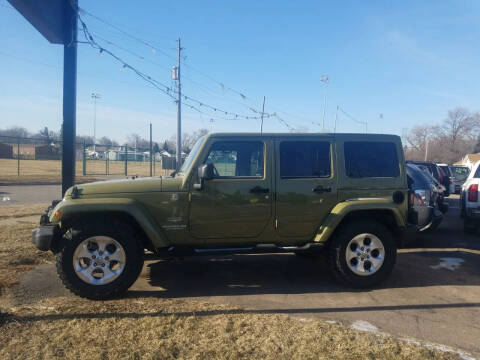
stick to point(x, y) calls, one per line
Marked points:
point(342, 209)
point(70, 208)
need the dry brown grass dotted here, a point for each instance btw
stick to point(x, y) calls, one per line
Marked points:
point(17, 254)
point(49, 171)
point(158, 328)
point(151, 328)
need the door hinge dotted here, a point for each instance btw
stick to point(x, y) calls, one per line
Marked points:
point(189, 197)
point(276, 223)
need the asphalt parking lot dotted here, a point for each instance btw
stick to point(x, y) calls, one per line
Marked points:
point(432, 295)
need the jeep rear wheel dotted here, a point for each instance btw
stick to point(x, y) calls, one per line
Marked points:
point(100, 260)
point(362, 254)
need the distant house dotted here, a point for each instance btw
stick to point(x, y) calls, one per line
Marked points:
point(6, 151)
point(469, 160)
point(47, 152)
point(37, 152)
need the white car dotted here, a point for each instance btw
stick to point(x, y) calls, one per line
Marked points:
point(470, 200)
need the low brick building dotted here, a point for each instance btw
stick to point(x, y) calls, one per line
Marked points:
point(6, 151)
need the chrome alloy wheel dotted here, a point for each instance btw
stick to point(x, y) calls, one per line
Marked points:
point(365, 254)
point(99, 260)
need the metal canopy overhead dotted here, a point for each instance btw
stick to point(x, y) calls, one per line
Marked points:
point(47, 16)
point(57, 21)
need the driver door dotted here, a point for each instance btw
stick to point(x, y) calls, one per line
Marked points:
point(237, 201)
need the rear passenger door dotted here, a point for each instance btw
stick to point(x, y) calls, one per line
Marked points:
point(306, 185)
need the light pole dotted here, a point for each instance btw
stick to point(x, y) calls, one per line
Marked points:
point(324, 80)
point(95, 96)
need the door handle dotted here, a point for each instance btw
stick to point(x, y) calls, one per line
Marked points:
point(320, 189)
point(259, 190)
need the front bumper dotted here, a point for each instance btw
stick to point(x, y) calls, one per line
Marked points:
point(44, 236)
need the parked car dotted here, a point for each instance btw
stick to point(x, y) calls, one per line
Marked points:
point(446, 171)
point(423, 199)
point(436, 172)
point(469, 200)
point(442, 204)
point(459, 175)
point(239, 193)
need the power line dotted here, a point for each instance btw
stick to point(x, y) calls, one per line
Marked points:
point(133, 37)
point(162, 87)
point(223, 85)
point(354, 119)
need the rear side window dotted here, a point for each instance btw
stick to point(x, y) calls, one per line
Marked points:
point(305, 159)
point(371, 159)
point(477, 173)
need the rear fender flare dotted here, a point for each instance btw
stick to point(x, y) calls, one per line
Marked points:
point(342, 209)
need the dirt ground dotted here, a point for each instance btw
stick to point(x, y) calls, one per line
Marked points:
point(140, 325)
point(49, 171)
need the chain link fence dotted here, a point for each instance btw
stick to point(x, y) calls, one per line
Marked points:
point(39, 159)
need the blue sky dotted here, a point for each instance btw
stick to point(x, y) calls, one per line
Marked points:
point(411, 61)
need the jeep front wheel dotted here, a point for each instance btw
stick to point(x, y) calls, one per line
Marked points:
point(100, 261)
point(362, 254)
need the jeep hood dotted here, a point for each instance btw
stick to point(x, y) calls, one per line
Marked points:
point(134, 185)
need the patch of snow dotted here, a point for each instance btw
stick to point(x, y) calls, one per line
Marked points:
point(362, 325)
point(443, 348)
point(449, 263)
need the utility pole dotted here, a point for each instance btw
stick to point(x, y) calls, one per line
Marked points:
point(336, 118)
point(426, 148)
point(179, 112)
point(324, 80)
point(95, 96)
point(151, 151)
point(69, 96)
point(263, 109)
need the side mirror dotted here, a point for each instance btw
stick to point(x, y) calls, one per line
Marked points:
point(205, 172)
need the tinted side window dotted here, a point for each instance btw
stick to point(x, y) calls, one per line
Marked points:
point(446, 170)
point(371, 159)
point(237, 158)
point(477, 173)
point(305, 159)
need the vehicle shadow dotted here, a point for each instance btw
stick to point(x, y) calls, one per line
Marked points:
point(289, 274)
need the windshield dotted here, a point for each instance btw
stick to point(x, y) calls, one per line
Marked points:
point(188, 161)
point(460, 172)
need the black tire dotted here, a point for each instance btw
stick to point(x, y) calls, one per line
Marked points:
point(338, 247)
point(120, 232)
point(469, 225)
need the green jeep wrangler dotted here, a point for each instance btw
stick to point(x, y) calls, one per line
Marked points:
point(239, 193)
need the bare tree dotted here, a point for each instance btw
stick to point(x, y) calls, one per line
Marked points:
point(107, 141)
point(460, 124)
point(135, 140)
point(15, 131)
point(447, 142)
point(188, 140)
